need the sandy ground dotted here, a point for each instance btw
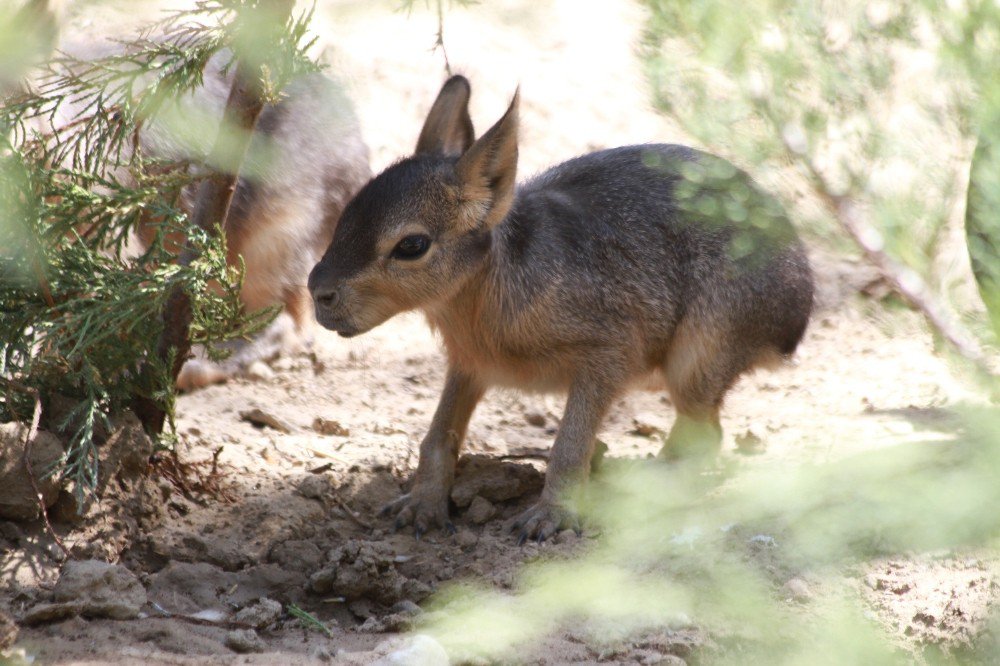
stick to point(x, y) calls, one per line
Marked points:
point(292, 515)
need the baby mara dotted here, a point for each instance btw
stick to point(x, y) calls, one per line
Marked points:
point(603, 270)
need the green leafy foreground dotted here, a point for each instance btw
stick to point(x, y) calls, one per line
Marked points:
point(80, 299)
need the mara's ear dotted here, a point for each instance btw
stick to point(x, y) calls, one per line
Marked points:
point(488, 170)
point(448, 129)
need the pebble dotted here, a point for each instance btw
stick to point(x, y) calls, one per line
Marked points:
point(796, 589)
point(466, 539)
point(645, 425)
point(259, 417)
point(329, 427)
point(536, 419)
point(314, 486)
point(480, 510)
point(244, 641)
point(261, 614)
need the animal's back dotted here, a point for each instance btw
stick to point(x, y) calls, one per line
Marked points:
point(646, 235)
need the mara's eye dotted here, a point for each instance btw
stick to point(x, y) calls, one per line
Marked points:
point(411, 247)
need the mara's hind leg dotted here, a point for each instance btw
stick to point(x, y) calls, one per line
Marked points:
point(701, 365)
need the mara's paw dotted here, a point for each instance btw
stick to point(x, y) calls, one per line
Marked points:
point(543, 520)
point(423, 510)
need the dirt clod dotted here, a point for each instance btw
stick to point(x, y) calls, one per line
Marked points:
point(329, 427)
point(493, 480)
point(796, 589)
point(93, 589)
point(8, 631)
point(362, 569)
point(536, 419)
point(244, 641)
point(314, 486)
point(261, 614)
point(749, 444)
point(480, 511)
point(262, 419)
point(647, 425)
point(17, 499)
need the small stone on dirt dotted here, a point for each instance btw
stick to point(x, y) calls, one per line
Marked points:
point(646, 425)
point(565, 536)
point(536, 419)
point(329, 427)
point(261, 614)
point(749, 444)
point(8, 631)
point(244, 641)
point(366, 570)
point(259, 371)
point(796, 589)
point(17, 499)
point(93, 589)
point(466, 539)
point(480, 511)
point(493, 480)
point(314, 486)
point(262, 419)
point(406, 607)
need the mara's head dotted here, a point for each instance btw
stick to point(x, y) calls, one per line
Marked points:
point(419, 230)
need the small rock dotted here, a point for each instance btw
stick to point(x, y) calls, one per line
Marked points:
point(796, 589)
point(260, 418)
point(386, 429)
point(749, 444)
point(466, 539)
point(420, 649)
point(536, 419)
point(366, 570)
point(8, 631)
point(564, 536)
point(406, 607)
point(17, 499)
point(646, 425)
point(244, 641)
point(314, 486)
point(480, 511)
point(261, 614)
point(493, 480)
point(93, 589)
point(259, 371)
point(329, 427)
point(872, 581)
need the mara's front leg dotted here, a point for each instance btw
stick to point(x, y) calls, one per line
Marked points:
point(590, 395)
point(426, 505)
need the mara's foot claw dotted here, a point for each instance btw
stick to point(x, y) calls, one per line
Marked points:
point(423, 511)
point(543, 520)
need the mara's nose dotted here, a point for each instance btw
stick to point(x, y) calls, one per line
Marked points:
point(327, 297)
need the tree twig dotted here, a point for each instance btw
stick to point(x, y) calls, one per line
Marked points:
point(439, 41)
point(906, 281)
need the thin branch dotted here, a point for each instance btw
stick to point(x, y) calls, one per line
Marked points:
point(906, 281)
point(439, 43)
